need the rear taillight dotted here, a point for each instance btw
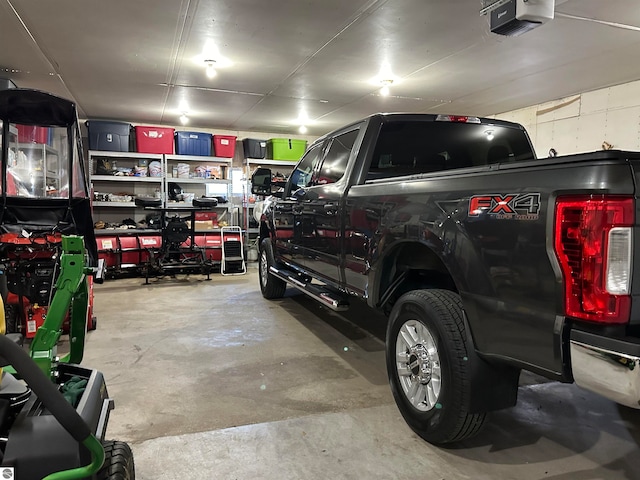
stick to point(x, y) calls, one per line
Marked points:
point(593, 243)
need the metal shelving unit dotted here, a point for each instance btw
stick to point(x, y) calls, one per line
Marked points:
point(112, 211)
point(200, 185)
point(43, 165)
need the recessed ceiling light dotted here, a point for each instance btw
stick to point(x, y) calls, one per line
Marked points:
point(211, 52)
point(211, 68)
point(386, 83)
point(303, 129)
point(184, 119)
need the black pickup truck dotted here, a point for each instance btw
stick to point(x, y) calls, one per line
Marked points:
point(486, 259)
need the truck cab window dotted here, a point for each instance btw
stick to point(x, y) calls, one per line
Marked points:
point(413, 148)
point(335, 161)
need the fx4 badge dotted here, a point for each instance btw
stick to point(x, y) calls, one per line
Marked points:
point(523, 206)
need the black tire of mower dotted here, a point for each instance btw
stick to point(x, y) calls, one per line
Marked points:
point(118, 462)
point(440, 311)
point(270, 286)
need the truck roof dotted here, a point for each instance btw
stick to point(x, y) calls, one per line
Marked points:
point(420, 117)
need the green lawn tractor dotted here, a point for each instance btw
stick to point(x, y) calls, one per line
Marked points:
point(53, 412)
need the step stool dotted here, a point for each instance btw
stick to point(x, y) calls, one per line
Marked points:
point(232, 251)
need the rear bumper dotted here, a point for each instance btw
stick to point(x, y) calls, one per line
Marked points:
point(607, 366)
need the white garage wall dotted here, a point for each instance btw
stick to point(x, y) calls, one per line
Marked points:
point(582, 123)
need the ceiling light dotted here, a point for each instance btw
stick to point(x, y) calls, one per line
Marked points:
point(210, 51)
point(386, 83)
point(211, 68)
point(303, 121)
point(385, 76)
point(184, 119)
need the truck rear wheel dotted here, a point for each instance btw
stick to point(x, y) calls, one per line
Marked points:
point(428, 366)
point(118, 462)
point(270, 286)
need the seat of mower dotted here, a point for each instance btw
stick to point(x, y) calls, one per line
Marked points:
point(13, 390)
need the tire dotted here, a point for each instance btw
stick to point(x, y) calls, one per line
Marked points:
point(427, 365)
point(270, 286)
point(118, 462)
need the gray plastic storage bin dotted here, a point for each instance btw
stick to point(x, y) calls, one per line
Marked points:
point(109, 136)
point(254, 148)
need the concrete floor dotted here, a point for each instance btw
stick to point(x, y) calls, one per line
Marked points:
point(212, 381)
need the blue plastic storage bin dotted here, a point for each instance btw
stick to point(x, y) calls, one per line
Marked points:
point(109, 136)
point(193, 143)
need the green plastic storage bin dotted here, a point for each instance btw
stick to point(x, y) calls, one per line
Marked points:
point(286, 149)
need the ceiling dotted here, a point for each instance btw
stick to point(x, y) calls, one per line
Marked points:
point(142, 61)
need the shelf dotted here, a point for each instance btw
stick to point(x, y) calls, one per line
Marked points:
point(38, 146)
point(179, 205)
point(198, 158)
point(115, 204)
point(102, 153)
point(124, 178)
point(196, 180)
point(266, 161)
point(24, 173)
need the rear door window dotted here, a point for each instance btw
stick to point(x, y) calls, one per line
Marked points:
point(335, 161)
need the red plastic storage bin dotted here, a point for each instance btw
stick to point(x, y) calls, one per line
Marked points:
point(154, 139)
point(224, 146)
point(32, 134)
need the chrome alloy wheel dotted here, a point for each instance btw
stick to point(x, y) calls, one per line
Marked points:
point(264, 268)
point(418, 365)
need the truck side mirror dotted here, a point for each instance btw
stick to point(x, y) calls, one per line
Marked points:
point(261, 181)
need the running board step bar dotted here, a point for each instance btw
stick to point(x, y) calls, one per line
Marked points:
point(324, 295)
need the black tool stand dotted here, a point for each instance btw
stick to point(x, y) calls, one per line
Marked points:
point(178, 252)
